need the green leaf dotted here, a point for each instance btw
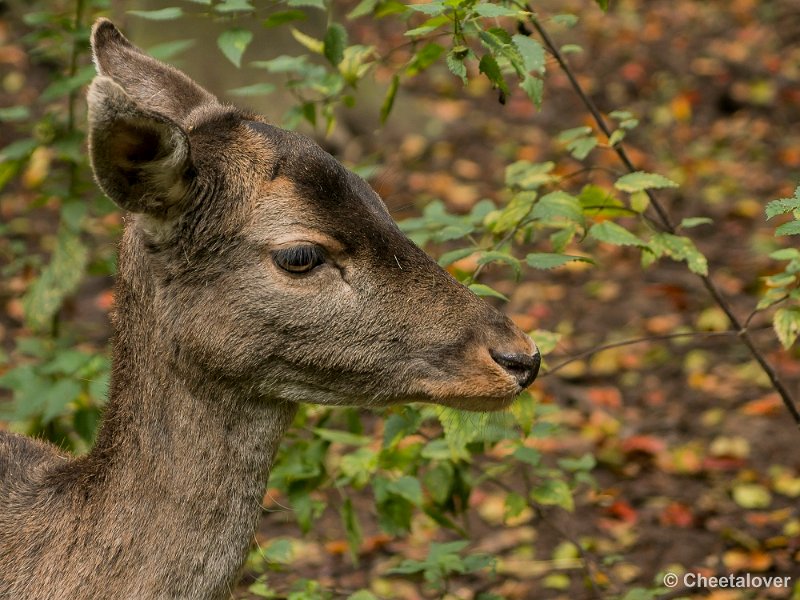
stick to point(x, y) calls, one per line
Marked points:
point(262, 590)
point(400, 424)
point(311, 43)
point(283, 64)
point(480, 289)
point(64, 86)
point(362, 9)
point(168, 50)
point(362, 595)
point(429, 8)
point(558, 206)
point(553, 492)
point(57, 396)
point(341, 437)
point(455, 62)
point(785, 254)
point(388, 99)
point(424, 58)
point(532, 52)
point(162, 14)
point(66, 362)
point(14, 113)
point(616, 137)
point(428, 26)
point(57, 281)
point(570, 49)
point(596, 200)
point(502, 257)
point(284, 16)
point(257, 89)
point(320, 4)
point(545, 340)
point(494, 10)
point(529, 176)
point(679, 248)
point(566, 20)
point(783, 205)
point(489, 67)
point(278, 551)
point(334, 42)
point(787, 325)
point(790, 228)
point(587, 462)
point(231, 6)
point(690, 222)
point(352, 527)
point(581, 147)
point(611, 233)
point(407, 487)
point(439, 482)
point(545, 260)
point(603, 4)
point(530, 456)
point(514, 505)
point(359, 466)
point(534, 88)
point(408, 567)
point(640, 180)
point(19, 149)
point(573, 134)
point(233, 43)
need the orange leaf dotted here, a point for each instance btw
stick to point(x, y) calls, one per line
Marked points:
point(608, 397)
point(764, 406)
point(646, 444)
point(337, 547)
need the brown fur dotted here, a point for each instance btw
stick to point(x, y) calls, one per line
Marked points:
point(215, 343)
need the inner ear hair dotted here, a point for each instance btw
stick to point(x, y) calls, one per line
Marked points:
point(141, 159)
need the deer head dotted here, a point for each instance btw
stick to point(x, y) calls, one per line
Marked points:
point(264, 262)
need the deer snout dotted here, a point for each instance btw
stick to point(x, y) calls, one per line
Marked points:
point(523, 367)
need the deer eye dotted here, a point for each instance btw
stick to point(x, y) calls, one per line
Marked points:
point(298, 259)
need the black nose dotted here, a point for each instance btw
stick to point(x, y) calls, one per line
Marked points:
point(523, 367)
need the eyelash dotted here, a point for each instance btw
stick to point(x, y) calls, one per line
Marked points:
point(299, 259)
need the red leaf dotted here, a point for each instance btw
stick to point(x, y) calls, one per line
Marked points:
point(676, 514)
point(623, 511)
point(646, 444)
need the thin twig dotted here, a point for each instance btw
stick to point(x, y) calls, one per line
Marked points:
point(757, 310)
point(632, 341)
point(666, 224)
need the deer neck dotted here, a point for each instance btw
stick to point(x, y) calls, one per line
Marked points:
point(183, 458)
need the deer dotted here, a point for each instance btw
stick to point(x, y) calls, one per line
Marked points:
point(255, 273)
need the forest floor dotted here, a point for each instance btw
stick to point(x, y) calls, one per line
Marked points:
point(697, 458)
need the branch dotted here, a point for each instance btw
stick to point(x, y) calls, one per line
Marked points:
point(736, 325)
point(632, 341)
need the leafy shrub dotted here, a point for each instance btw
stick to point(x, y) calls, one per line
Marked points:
point(422, 460)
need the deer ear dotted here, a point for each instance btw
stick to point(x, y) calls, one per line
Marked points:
point(141, 159)
point(152, 84)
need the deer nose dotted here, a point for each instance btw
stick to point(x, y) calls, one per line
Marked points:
point(523, 367)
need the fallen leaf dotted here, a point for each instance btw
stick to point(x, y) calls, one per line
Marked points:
point(765, 406)
point(676, 514)
point(646, 444)
point(751, 495)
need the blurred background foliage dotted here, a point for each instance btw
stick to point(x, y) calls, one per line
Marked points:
point(461, 116)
